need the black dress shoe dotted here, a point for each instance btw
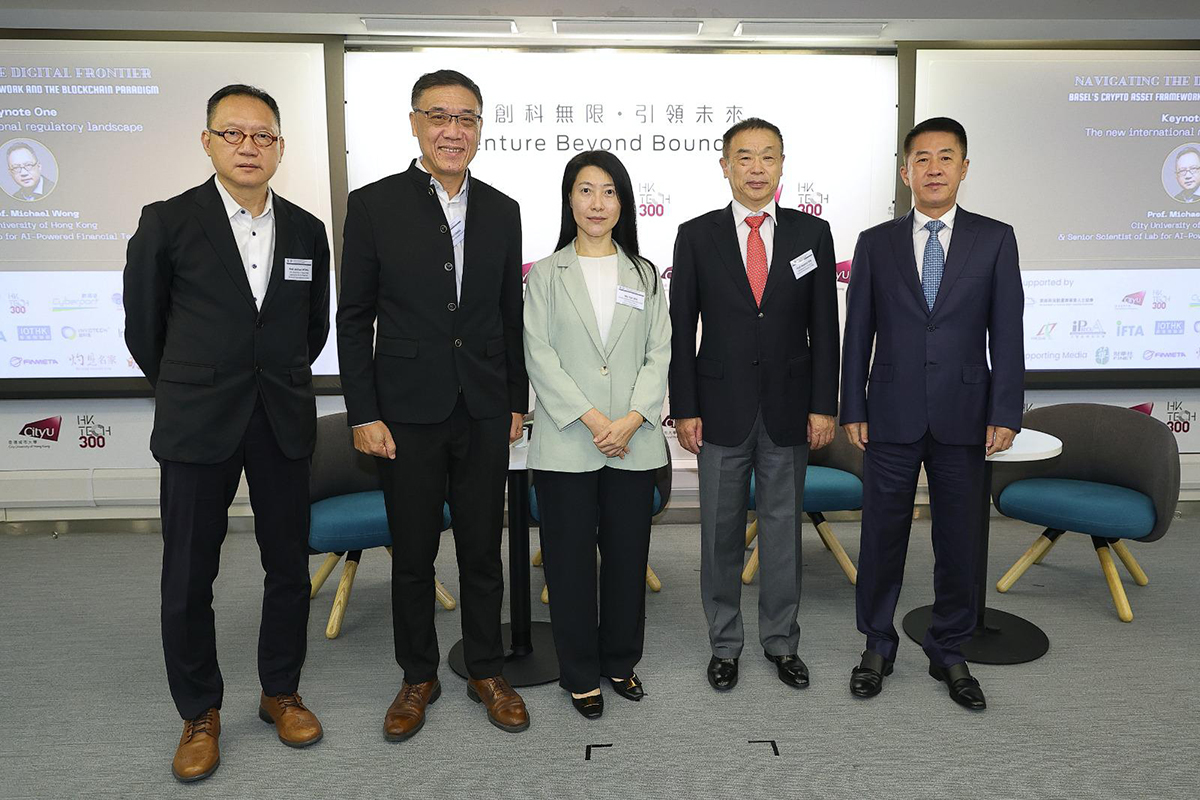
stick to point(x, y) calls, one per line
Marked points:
point(591, 706)
point(791, 669)
point(866, 680)
point(964, 689)
point(722, 673)
point(630, 688)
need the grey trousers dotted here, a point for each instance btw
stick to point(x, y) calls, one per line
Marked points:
point(779, 498)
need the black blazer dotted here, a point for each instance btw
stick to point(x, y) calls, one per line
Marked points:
point(192, 326)
point(781, 357)
point(406, 346)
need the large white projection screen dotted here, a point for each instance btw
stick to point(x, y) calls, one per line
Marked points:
point(113, 126)
point(1088, 154)
point(663, 114)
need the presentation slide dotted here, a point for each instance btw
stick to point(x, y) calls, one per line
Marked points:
point(662, 114)
point(1094, 158)
point(93, 131)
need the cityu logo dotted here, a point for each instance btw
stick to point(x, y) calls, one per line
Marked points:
point(1145, 408)
point(47, 428)
point(843, 271)
point(666, 273)
point(525, 272)
point(1135, 299)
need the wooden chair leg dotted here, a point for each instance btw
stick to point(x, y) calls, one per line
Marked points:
point(1030, 557)
point(751, 531)
point(323, 572)
point(751, 567)
point(834, 546)
point(1114, 580)
point(1053, 535)
point(652, 580)
point(546, 595)
point(342, 598)
point(444, 597)
point(537, 558)
point(1131, 564)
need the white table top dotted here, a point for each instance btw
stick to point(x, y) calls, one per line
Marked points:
point(1030, 445)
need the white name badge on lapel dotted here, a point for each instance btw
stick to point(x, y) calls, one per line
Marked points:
point(297, 269)
point(631, 297)
point(804, 264)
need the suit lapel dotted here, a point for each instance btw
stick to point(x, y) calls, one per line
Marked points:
point(627, 275)
point(572, 279)
point(906, 260)
point(284, 234)
point(784, 245)
point(961, 239)
point(726, 243)
point(215, 223)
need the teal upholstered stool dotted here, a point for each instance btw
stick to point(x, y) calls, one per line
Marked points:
point(1117, 479)
point(832, 482)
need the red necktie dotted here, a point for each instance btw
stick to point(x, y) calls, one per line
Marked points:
point(756, 258)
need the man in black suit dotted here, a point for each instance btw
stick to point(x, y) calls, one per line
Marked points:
point(226, 308)
point(429, 340)
point(760, 392)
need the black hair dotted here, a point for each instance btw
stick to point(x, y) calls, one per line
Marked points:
point(240, 90)
point(445, 77)
point(749, 124)
point(26, 146)
point(1189, 149)
point(624, 233)
point(937, 125)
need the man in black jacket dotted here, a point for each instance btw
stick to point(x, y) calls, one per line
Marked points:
point(429, 342)
point(226, 308)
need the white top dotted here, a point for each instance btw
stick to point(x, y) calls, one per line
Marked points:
point(255, 237)
point(1030, 445)
point(455, 209)
point(766, 230)
point(600, 275)
point(921, 236)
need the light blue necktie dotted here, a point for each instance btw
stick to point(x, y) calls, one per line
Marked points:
point(933, 263)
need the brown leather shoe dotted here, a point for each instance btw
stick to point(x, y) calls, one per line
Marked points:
point(198, 755)
point(406, 714)
point(295, 724)
point(506, 710)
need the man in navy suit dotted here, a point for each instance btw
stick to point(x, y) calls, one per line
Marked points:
point(935, 292)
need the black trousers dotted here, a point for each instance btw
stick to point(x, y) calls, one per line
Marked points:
point(956, 488)
point(464, 461)
point(194, 501)
point(580, 510)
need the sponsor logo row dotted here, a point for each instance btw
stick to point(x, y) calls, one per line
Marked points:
point(44, 434)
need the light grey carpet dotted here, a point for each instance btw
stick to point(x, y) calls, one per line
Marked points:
point(1110, 712)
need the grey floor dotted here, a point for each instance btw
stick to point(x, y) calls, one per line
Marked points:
point(1110, 712)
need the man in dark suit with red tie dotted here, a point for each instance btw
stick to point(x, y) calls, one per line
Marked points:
point(759, 393)
point(935, 293)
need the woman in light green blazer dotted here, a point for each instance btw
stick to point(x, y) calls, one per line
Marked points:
point(597, 347)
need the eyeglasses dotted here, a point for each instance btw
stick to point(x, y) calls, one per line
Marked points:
point(440, 119)
point(1189, 171)
point(235, 137)
point(19, 168)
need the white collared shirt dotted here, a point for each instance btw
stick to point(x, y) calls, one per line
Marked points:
point(255, 237)
point(600, 275)
point(766, 230)
point(921, 236)
point(455, 209)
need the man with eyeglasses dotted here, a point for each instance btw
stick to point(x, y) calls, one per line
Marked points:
point(1187, 174)
point(26, 172)
point(430, 346)
point(226, 308)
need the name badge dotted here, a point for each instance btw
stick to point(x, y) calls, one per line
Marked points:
point(297, 269)
point(804, 264)
point(631, 297)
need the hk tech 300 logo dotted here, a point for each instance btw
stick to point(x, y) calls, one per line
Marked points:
point(37, 435)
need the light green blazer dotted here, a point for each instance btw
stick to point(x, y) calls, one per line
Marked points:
point(572, 371)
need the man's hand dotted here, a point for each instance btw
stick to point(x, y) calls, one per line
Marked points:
point(614, 440)
point(690, 432)
point(820, 430)
point(999, 439)
point(374, 440)
point(514, 431)
point(857, 432)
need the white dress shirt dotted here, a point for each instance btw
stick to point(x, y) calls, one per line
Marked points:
point(921, 236)
point(455, 209)
point(600, 275)
point(255, 237)
point(766, 230)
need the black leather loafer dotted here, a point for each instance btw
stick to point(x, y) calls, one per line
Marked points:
point(723, 673)
point(964, 689)
point(792, 670)
point(866, 680)
point(590, 707)
point(630, 688)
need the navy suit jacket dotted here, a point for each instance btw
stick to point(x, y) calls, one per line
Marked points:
point(930, 371)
